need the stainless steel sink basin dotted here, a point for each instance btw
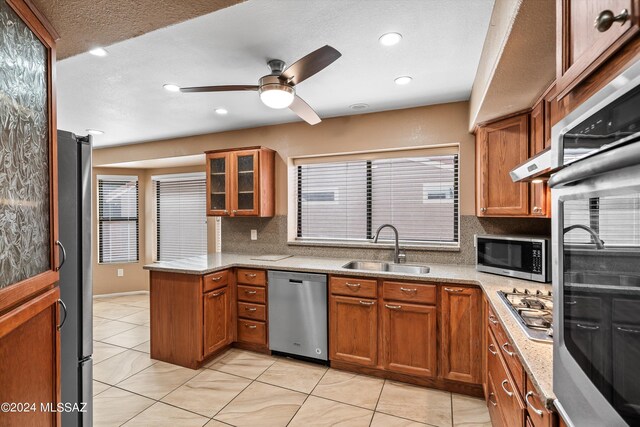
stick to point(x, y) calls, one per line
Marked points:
point(387, 266)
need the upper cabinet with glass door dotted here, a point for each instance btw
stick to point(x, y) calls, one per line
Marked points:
point(241, 182)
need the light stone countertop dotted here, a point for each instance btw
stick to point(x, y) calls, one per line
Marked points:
point(537, 357)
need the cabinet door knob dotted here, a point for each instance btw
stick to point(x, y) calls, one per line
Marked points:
point(606, 18)
point(235, 211)
point(483, 209)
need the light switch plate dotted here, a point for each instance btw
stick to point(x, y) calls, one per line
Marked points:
point(120, 272)
point(254, 234)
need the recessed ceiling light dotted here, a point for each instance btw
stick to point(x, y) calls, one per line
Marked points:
point(95, 132)
point(98, 51)
point(222, 111)
point(360, 106)
point(171, 87)
point(390, 39)
point(403, 80)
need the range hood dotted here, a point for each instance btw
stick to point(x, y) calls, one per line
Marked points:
point(538, 167)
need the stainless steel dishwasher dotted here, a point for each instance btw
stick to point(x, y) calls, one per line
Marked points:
point(298, 314)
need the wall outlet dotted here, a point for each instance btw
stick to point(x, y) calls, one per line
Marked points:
point(254, 234)
point(120, 272)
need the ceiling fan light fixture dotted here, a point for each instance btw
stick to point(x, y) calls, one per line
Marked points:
point(171, 87)
point(277, 96)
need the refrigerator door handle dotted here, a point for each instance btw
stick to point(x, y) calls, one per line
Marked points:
point(64, 255)
point(64, 319)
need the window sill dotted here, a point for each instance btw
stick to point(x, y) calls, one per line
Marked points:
point(386, 246)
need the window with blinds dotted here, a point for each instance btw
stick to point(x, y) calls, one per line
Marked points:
point(118, 219)
point(181, 216)
point(347, 200)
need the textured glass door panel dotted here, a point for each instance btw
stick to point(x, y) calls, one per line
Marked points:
point(245, 182)
point(24, 152)
point(218, 183)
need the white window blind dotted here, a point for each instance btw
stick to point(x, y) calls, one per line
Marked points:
point(118, 219)
point(348, 200)
point(181, 217)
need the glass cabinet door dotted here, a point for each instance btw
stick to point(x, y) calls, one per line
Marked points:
point(245, 183)
point(218, 184)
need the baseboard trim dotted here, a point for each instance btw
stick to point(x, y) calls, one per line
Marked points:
point(120, 294)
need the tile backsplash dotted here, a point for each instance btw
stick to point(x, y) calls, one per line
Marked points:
point(272, 239)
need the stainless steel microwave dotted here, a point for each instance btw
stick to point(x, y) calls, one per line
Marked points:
point(524, 257)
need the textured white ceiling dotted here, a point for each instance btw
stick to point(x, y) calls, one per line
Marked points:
point(122, 94)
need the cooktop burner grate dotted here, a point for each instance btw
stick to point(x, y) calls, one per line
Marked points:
point(533, 312)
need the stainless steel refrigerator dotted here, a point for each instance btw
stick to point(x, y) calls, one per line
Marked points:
point(74, 225)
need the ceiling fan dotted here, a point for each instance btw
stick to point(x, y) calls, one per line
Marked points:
point(277, 90)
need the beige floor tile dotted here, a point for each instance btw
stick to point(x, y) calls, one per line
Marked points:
point(243, 363)
point(221, 356)
point(99, 387)
point(322, 412)
point(144, 347)
point(347, 387)
point(111, 311)
point(143, 304)
point(130, 338)
point(108, 328)
point(103, 351)
point(121, 366)
point(160, 415)
point(416, 403)
point(470, 412)
point(384, 420)
point(262, 405)
point(294, 375)
point(207, 392)
point(125, 299)
point(216, 423)
point(113, 407)
point(139, 318)
point(158, 380)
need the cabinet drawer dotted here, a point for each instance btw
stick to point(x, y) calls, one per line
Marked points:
point(252, 277)
point(252, 294)
point(505, 348)
point(250, 331)
point(252, 311)
point(215, 280)
point(539, 416)
point(508, 397)
point(411, 292)
point(363, 288)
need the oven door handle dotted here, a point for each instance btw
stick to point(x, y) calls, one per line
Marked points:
point(616, 158)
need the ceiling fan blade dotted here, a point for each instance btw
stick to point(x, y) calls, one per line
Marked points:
point(311, 64)
point(229, 88)
point(303, 110)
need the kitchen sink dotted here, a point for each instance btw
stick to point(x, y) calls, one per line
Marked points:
point(387, 266)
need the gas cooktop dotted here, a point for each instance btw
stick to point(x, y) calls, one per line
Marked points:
point(533, 312)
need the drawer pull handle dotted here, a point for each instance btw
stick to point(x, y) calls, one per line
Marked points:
point(366, 302)
point(393, 307)
point(216, 279)
point(250, 326)
point(588, 327)
point(409, 290)
point(631, 331)
point(571, 302)
point(250, 292)
point(490, 400)
point(216, 294)
point(250, 309)
point(509, 393)
point(494, 352)
point(493, 319)
point(251, 275)
point(453, 290)
point(504, 347)
point(353, 285)
point(64, 319)
point(606, 18)
point(530, 405)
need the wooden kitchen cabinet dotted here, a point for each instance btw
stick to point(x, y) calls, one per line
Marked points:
point(353, 330)
point(581, 47)
point(461, 327)
point(252, 309)
point(409, 338)
point(217, 320)
point(501, 146)
point(241, 182)
point(30, 355)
